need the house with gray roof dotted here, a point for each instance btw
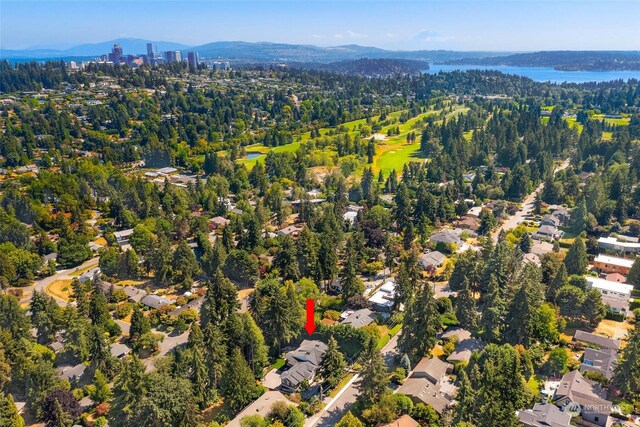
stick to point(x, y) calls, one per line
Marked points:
point(446, 236)
point(600, 341)
point(72, 373)
point(293, 378)
point(602, 361)
point(574, 389)
point(432, 260)
point(119, 350)
point(544, 415)
point(134, 294)
point(464, 349)
point(309, 351)
point(359, 318)
point(429, 384)
point(154, 301)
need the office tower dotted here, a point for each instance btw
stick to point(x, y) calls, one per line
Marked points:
point(193, 59)
point(173, 56)
point(116, 54)
point(150, 55)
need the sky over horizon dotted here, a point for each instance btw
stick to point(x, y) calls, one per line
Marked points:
point(508, 25)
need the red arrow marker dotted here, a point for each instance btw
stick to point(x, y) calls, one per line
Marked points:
point(310, 326)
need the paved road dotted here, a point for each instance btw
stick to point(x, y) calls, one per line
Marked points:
point(41, 285)
point(526, 207)
point(340, 404)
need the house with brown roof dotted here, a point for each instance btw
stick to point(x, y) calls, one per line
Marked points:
point(403, 421)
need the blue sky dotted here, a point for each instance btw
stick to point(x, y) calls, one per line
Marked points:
point(510, 25)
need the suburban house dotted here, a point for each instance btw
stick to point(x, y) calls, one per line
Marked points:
point(614, 294)
point(611, 264)
point(303, 364)
point(194, 304)
point(447, 237)
point(576, 389)
point(72, 373)
point(469, 222)
point(350, 217)
point(122, 237)
point(544, 415)
point(291, 230)
point(464, 350)
point(384, 298)
point(602, 361)
point(403, 421)
point(623, 246)
point(600, 341)
point(432, 260)
point(154, 301)
point(217, 222)
point(134, 294)
point(359, 318)
point(429, 384)
point(551, 220)
point(119, 350)
point(547, 232)
point(262, 406)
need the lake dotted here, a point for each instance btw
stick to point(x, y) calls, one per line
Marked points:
point(253, 155)
point(543, 74)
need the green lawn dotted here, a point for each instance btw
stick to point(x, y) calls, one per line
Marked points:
point(397, 158)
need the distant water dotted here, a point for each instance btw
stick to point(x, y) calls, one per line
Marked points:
point(543, 74)
point(253, 155)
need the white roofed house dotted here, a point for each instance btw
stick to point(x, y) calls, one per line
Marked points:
point(611, 264)
point(122, 237)
point(614, 294)
point(626, 246)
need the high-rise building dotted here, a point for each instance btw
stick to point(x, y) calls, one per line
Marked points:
point(193, 59)
point(150, 55)
point(173, 56)
point(116, 54)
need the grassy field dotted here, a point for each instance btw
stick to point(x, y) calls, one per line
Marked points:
point(60, 288)
point(394, 152)
point(352, 126)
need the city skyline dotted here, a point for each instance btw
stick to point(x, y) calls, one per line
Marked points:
point(456, 25)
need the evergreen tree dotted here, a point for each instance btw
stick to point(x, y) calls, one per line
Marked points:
point(140, 325)
point(627, 372)
point(351, 283)
point(526, 243)
point(592, 308)
point(422, 323)
point(199, 377)
point(373, 376)
point(333, 364)
point(238, 384)
point(9, 415)
point(215, 352)
point(561, 278)
point(521, 318)
point(580, 216)
point(577, 260)
point(286, 259)
point(100, 391)
point(633, 278)
point(220, 301)
point(466, 312)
